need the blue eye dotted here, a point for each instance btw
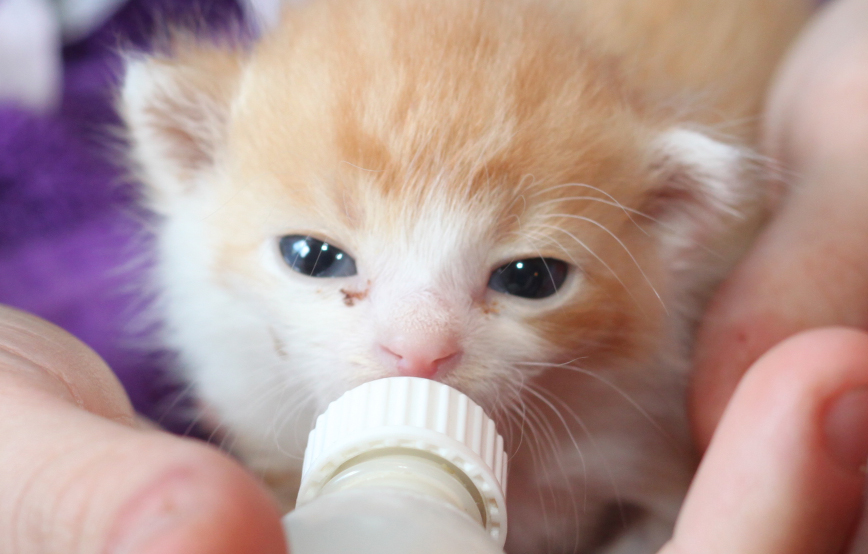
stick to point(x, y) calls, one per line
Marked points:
point(530, 278)
point(316, 258)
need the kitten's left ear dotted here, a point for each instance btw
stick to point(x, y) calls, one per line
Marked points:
point(176, 107)
point(703, 188)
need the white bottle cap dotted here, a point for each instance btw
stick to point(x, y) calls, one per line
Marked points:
point(418, 416)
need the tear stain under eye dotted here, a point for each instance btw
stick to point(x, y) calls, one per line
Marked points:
point(350, 296)
point(279, 346)
point(490, 308)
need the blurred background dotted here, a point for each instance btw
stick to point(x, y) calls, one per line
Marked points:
point(71, 246)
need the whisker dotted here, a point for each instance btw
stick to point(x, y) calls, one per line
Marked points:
point(178, 397)
point(596, 257)
point(606, 466)
point(657, 221)
point(567, 480)
point(532, 390)
point(615, 388)
point(537, 434)
point(549, 271)
point(362, 168)
point(612, 201)
point(621, 243)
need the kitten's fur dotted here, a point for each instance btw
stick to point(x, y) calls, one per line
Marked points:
point(434, 142)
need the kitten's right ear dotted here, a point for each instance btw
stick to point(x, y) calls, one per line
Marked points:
point(176, 108)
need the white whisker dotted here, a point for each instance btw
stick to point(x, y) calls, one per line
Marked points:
point(607, 468)
point(621, 243)
point(615, 388)
point(581, 243)
point(612, 201)
point(578, 449)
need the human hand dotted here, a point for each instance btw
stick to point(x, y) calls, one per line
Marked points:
point(785, 471)
point(810, 267)
point(78, 475)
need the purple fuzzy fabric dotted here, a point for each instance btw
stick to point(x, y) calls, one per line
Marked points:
point(67, 215)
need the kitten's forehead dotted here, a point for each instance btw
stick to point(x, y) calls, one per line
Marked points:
point(466, 109)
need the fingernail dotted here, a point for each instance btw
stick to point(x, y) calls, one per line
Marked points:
point(847, 429)
point(153, 515)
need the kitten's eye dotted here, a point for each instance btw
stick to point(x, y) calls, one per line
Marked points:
point(530, 278)
point(316, 258)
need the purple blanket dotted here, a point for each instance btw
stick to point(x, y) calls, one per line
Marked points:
point(67, 213)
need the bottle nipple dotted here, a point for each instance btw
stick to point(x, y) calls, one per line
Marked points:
point(414, 434)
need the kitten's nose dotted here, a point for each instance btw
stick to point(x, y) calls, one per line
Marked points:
point(422, 356)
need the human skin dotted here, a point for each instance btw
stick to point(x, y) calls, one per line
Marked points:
point(785, 470)
point(772, 479)
point(810, 266)
point(79, 475)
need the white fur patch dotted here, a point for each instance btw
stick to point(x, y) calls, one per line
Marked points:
point(716, 167)
point(142, 84)
point(174, 127)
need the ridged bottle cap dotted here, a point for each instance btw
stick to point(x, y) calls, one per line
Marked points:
point(412, 414)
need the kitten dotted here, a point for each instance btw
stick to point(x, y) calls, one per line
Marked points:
point(527, 200)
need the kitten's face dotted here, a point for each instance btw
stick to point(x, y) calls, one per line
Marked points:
point(473, 191)
point(393, 193)
point(377, 237)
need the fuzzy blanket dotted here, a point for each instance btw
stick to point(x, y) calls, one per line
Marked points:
point(68, 225)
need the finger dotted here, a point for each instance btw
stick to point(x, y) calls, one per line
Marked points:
point(784, 473)
point(810, 267)
point(78, 478)
point(816, 110)
point(42, 356)
point(859, 544)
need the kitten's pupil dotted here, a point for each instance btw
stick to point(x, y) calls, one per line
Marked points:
point(530, 278)
point(316, 258)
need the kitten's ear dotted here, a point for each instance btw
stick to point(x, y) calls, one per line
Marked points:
point(703, 189)
point(176, 108)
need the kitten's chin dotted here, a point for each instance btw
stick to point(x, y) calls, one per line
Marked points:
point(358, 372)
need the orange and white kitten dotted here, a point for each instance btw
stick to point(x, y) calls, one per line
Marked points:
point(528, 200)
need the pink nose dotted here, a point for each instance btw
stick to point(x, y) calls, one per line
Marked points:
point(422, 356)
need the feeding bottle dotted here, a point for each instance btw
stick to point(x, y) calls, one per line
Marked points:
point(401, 465)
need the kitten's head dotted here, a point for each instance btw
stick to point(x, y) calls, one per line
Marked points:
point(466, 194)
